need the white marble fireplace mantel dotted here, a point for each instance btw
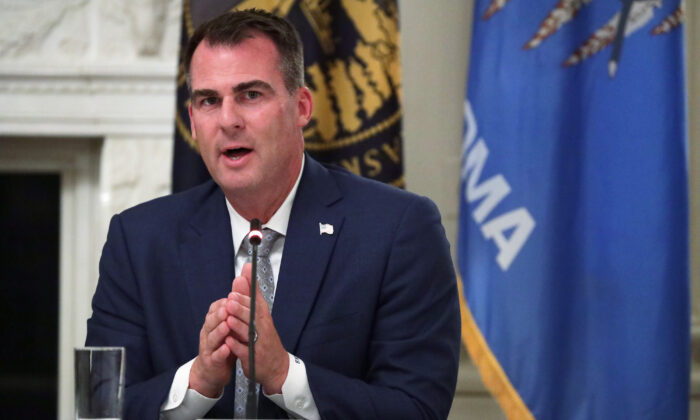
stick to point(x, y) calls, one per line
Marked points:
point(87, 90)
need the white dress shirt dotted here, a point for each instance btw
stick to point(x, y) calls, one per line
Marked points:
point(296, 398)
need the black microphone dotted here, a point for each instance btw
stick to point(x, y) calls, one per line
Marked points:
point(254, 237)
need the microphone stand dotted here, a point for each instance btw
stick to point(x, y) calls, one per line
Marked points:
point(255, 237)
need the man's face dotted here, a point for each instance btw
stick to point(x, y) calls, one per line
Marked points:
point(247, 125)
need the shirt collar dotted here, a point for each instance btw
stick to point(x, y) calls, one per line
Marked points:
point(278, 222)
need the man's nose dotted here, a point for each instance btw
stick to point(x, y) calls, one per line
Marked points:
point(230, 117)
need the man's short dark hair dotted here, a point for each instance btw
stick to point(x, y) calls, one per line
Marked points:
point(232, 28)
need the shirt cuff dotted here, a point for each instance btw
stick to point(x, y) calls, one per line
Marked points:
point(296, 397)
point(184, 403)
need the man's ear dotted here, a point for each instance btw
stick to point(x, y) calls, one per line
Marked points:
point(306, 105)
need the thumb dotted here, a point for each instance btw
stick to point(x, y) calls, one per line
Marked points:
point(261, 302)
point(241, 284)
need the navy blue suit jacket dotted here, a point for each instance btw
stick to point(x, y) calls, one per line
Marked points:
point(372, 309)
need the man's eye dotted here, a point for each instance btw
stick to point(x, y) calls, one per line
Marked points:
point(209, 101)
point(252, 94)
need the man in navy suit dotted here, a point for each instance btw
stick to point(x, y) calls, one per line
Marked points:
point(365, 321)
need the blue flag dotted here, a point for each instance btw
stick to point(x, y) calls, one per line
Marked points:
point(573, 237)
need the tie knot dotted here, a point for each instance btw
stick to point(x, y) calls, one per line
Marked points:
point(268, 240)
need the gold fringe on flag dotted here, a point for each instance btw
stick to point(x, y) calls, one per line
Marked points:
point(492, 373)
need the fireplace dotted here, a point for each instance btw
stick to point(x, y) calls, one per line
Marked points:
point(29, 225)
point(87, 100)
point(50, 240)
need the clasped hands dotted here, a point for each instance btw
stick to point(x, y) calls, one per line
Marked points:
point(224, 339)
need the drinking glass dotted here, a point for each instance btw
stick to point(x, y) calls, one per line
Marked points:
point(99, 382)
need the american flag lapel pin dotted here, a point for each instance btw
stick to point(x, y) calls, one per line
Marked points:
point(325, 228)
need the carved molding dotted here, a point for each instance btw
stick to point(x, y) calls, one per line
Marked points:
point(88, 85)
point(137, 27)
point(93, 101)
point(60, 31)
point(88, 67)
point(83, 88)
point(147, 24)
point(26, 26)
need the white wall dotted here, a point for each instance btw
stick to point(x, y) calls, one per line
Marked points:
point(435, 41)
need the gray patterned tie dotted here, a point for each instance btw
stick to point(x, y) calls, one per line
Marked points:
point(266, 285)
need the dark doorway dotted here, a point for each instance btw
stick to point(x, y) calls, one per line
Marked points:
point(29, 252)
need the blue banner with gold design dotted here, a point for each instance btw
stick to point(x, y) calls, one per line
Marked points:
point(351, 56)
point(573, 237)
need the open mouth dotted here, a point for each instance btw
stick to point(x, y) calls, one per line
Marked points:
point(237, 153)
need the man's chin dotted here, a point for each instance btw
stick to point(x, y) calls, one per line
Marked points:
point(237, 185)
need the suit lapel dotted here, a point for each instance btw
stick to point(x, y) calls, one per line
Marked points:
point(306, 251)
point(207, 255)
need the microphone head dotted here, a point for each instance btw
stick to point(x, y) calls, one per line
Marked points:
point(255, 234)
